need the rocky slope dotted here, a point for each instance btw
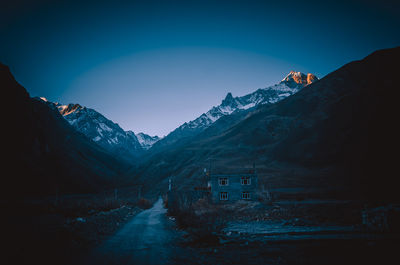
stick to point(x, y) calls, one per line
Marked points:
point(291, 84)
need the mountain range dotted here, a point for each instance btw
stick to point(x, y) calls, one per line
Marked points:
point(334, 138)
point(291, 84)
point(104, 132)
point(324, 138)
point(130, 146)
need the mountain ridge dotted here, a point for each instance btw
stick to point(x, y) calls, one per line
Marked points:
point(103, 131)
point(230, 104)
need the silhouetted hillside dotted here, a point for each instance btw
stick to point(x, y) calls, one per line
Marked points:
point(44, 154)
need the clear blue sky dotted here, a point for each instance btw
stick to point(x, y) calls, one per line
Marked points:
point(152, 65)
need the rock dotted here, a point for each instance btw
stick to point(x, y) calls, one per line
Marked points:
point(80, 219)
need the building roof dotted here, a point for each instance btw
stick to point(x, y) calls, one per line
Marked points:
point(233, 175)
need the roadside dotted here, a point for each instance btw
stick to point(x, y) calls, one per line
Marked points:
point(288, 232)
point(300, 251)
point(54, 232)
point(277, 243)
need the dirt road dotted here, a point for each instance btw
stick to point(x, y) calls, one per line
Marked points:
point(147, 239)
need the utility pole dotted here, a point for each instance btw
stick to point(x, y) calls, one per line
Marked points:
point(204, 177)
point(207, 175)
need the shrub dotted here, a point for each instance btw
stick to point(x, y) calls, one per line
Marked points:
point(144, 203)
point(201, 219)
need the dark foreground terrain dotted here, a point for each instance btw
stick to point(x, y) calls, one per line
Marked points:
point(290, 232)
point(152, 237)
point(127, 235)
point(298, 251)
point(57, 230)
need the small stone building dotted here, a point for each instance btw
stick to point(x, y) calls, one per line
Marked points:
point(233, 187)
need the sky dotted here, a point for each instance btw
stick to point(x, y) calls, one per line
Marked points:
point(152, 65)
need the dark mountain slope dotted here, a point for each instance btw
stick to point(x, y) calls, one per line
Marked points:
point(337, 133)
point(350, 113)
point(45, 154)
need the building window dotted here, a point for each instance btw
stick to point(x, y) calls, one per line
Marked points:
point(246, 195)
point(223, 196)
point(223, 181)
point(245, 180)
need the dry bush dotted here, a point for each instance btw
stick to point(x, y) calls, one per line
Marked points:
point(201, 219)
point(144, 203)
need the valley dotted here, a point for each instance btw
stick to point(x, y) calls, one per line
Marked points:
point(321, 150)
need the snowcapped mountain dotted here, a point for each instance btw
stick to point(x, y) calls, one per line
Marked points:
point(147, 141)
point(291, 84)
point(294, 79)
point(101, 130)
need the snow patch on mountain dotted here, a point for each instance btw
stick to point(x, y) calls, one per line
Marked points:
point(147, 141)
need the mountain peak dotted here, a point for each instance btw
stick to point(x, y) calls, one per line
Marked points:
point(298, 78)
point(228, 99)
point(229, 96)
